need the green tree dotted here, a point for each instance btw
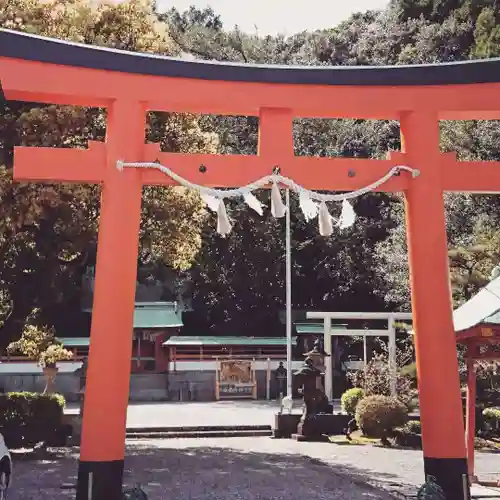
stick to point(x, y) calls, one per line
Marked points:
point(486, 35)
point(471, 267)
point(473, 241)
point(39, 343)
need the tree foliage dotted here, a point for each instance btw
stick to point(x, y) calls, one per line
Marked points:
point(375, 378)
point(38, 343)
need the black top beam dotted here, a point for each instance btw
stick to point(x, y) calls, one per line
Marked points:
point(19, 45)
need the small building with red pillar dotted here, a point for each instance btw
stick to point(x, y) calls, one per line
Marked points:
point(477, 325)
point(154, 323)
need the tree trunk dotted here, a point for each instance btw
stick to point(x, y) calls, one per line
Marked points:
point(50, 379)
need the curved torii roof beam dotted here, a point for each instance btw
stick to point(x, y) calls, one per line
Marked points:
point(456, 90)
point(48, 50)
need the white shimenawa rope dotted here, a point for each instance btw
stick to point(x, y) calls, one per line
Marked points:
point(214, 197)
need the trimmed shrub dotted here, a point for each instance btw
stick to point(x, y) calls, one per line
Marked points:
point(414, 426)
point(378, 416)
point(409, 370)
point(492, 414)
point(405, 438)
point(492, 420)
point(409, 435)
point(350, 399)
point(27, 418)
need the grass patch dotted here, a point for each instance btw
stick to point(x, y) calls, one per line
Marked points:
point(356, 439)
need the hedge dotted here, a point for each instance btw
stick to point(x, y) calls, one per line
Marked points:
point(414, 426)
point(350, 399)
point(492, 420)
point(377, 416)
point(492, 414)
point(27, 418)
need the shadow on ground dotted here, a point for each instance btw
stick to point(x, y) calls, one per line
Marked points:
point(207, 473)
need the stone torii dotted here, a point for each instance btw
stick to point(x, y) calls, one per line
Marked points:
point(328, 332)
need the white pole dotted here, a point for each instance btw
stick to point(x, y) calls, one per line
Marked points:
point(392, 357)
point(268, 379)
point(139, 349)
point(365, 352)
point(327, 343)
point(365, 359)
point(288, 284)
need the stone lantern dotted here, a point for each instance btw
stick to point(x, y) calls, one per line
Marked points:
point(315, 401)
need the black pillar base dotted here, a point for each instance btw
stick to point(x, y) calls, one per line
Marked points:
point(100, 480)
point(450, 474)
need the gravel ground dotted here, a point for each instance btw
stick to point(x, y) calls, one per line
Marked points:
point(230, 468)
point(247, 468)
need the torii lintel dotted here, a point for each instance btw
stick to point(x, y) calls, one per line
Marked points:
point(88, 166)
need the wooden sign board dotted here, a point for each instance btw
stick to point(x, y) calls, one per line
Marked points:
point(235, 380)
point(487, 332)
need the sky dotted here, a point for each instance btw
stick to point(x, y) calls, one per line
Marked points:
point(279, 16)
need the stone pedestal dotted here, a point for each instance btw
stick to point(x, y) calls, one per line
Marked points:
point(309, 430)
point(285, 424)
point(319, 427)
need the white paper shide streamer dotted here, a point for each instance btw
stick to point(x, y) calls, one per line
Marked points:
point(278, 208)
point(217, 205)
point(325, 221)
point(312, 204)
point(253, 203)
point(309, 207)
point(347, 216)
point(223, 225)
point(211, 202)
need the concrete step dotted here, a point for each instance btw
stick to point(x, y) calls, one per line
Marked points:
point(479, 491)
point(200, 432)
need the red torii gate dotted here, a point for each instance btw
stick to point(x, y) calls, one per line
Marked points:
point(42, 70)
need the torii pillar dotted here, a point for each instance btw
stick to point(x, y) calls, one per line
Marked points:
point(106, 394)
point(437, 365)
